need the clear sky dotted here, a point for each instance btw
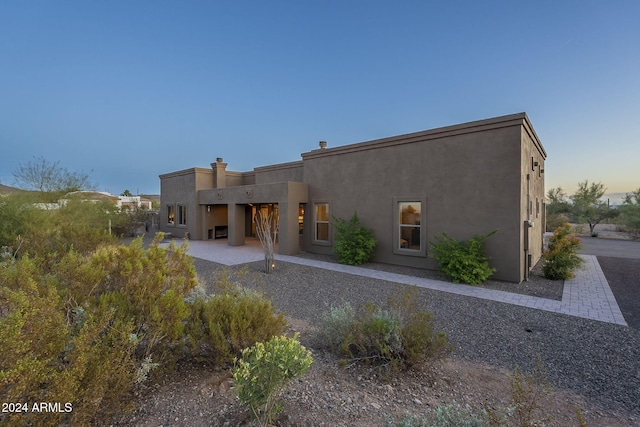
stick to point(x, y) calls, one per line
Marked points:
point(128, 90)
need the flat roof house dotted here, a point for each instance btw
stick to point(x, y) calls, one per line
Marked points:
point(464, 180)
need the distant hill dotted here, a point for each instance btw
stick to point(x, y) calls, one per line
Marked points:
point(5, 189)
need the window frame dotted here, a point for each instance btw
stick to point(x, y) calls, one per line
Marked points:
point(182, 215)
point(397, 226)
point(315, 239)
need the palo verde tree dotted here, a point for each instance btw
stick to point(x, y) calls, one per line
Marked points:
point(44, 176)
point(587, 206)
point(630, 212)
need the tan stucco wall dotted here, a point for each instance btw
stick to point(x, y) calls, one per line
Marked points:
point(469, 176)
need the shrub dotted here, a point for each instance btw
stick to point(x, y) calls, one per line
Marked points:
point(463, 261)
point(354, 242)
point(555, 220)
point(400, 337)
point(83, 330)
point(561, 258)
point(265, 370)
point(221, 326)
point(526, 408)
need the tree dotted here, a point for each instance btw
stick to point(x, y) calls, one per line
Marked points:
point(587, 206)
point(630, 212)
point(126, 193)
point(558, 207)
point(46, 177)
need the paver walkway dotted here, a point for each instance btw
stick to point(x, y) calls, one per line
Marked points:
point(588, 295)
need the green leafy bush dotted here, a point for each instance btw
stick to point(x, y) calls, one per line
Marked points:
point(264, 371)
point(354, 242)
point(561, 259)
point(401, 337)
point(463, 261)
point(222, 325)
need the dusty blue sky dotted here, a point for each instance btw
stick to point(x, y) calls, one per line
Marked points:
point(128, 90)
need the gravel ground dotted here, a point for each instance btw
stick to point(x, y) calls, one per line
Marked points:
point(598, 360)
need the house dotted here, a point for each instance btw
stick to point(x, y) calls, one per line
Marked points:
point(133, 202)
point(465, 180)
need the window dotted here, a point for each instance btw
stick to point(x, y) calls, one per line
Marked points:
point(321, 220)
point(182, 215)
point(171, 215)
point(410, 217)
point(300, 218)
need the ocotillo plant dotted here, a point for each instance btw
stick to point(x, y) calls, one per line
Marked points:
point(267, 229)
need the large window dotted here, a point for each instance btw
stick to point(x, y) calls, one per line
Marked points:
point(410, 217)
point(182, 215)
point(409, 226)
point(321, 222)
point(171, 215)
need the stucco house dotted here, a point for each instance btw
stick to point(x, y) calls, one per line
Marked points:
point(467, 179)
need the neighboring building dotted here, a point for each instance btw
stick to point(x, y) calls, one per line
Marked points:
point(133, 202)
point(464, 180)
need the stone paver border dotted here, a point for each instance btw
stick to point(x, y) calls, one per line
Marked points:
point(587, 295)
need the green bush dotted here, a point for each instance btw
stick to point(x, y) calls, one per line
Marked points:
point(401, 337)
point(85, 329)
point(264, 371)
point(463, 261)
point(354, 242)
point(222, 325)
point(561, 259)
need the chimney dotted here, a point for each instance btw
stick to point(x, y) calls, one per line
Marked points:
point(323, 145)
point(219, 173)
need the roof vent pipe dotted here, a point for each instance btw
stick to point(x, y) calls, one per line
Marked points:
point(323, 145)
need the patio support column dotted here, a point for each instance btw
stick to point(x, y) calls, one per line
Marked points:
point(288, 240)
point(236, 214)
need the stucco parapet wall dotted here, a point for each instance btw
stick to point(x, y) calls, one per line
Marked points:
point(184, 172)
point(259, 193)
point(519, 119)
point(270, 168)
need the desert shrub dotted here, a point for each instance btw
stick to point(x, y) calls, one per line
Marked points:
point(221, 326)
point(83, 330)
point(463, 261)
point(526, 407)
point(354, 242)
point(147, 287)
point(555, 220)
point(264, 371)
point(400, 337)
point(450, 415)
point(561, 259)
point(86, 363)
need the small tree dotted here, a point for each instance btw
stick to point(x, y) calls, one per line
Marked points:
point(354, 241)
point(558, 207)
point(630, 212)
point(587, 206)
point(46, 177)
